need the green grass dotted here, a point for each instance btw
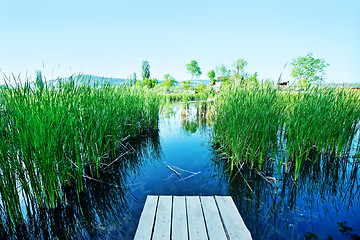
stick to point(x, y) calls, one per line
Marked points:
point(55, 136)
point(254, 124)
point(324, 119)
point(247, 121)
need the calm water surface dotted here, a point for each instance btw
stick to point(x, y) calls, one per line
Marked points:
point(180, 160)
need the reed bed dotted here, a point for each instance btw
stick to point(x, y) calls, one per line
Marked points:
point(185, 96)
point(255, 124)
point(54, 136)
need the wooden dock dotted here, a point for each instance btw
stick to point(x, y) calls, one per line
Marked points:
point(192, 218)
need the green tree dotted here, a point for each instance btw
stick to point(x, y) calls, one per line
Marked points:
point(194, 69)
point(307, 70)
point(200, 88)
point(131, 80)
point(186, 85)
point(145, 70)
point(211, 74)
point(168, 82)
point(39, 79)
point(239, 66)
point(150, 82)
point(223, 73)
point(253, 78)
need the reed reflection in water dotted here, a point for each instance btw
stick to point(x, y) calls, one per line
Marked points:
point(180, 159)
point(322, 204)
point(105, 209)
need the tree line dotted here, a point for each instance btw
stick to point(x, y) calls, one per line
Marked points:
point(306, 70)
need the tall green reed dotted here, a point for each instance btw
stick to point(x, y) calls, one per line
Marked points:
point(56, 135)
point(324, 119)
point(247, 121)
point(254, 123)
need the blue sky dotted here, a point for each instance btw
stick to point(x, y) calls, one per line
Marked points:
point(112, 38)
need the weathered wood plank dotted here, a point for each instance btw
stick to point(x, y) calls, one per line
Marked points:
point(163, 218)
point(179, 219)
point(233, 223)
point(146, 222)
point(190, 217)
point(215, 228)
point(196, 223)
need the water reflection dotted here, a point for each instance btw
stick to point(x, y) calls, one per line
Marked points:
point(196, 118)
point(180, 160)
point(326, 193)
point(103, 210)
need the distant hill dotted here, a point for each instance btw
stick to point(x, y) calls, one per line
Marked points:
point(91, 79)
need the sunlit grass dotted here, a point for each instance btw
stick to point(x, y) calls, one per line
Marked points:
point(54, 136)
point(257, 123)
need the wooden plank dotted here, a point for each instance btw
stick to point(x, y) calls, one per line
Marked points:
point(163, 218)
point(196, 223)
point(215, 228)
point(179, 219)
point(233, 223)
point(146, 222)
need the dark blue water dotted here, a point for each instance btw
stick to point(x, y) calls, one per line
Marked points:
point(180, 160)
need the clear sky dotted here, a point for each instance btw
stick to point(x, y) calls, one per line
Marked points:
point(112, 38)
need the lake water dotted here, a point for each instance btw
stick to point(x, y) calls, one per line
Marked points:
point(179, 159)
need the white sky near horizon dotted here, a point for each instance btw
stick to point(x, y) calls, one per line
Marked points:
point(112, 38)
